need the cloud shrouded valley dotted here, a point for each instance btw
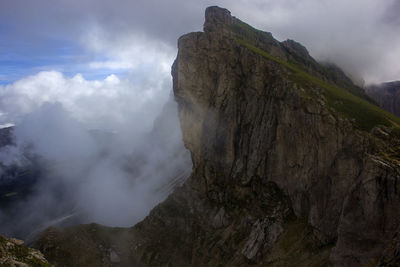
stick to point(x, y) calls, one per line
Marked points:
point(99, 158)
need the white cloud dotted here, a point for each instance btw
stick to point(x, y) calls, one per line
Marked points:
point(132, 51)
point(111, 177)
point(110, 103)
point(112, 65)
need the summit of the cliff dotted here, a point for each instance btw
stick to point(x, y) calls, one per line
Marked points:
point(219, 23)
point(217, 17)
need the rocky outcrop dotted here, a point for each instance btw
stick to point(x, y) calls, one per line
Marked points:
point(387, 95)
point(14, 253)
point(286, 167)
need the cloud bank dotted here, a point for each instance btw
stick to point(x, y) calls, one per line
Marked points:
point(360, 36)
point(104, 104)
point(100, 158)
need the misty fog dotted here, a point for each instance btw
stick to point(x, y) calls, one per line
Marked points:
point(109, 170)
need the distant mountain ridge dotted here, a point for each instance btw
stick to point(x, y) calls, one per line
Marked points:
point(387, 95)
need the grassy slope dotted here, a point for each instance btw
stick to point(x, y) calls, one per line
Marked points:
point(366, 115)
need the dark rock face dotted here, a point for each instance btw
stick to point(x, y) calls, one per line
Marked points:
point(279, 177)
point(387, 95)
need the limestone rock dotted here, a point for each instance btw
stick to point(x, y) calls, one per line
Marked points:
point(263, 235)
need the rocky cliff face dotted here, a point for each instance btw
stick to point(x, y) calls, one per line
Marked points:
point(288, 167)
point(387, 95)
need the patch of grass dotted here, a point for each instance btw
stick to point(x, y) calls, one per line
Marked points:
point(335, 74)
point(365, 114)
point(11, 194)
point(246, 32)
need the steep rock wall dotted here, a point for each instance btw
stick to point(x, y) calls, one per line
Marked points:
point(246, 123)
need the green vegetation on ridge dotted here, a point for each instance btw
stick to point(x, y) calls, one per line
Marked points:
point(365, 114)
point(245, 30)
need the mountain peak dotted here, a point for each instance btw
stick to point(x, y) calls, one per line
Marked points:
point(215, 17)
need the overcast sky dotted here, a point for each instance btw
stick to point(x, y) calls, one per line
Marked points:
point(49, 49)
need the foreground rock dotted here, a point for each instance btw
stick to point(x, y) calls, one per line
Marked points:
point(288, 168)
point(14, 253)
